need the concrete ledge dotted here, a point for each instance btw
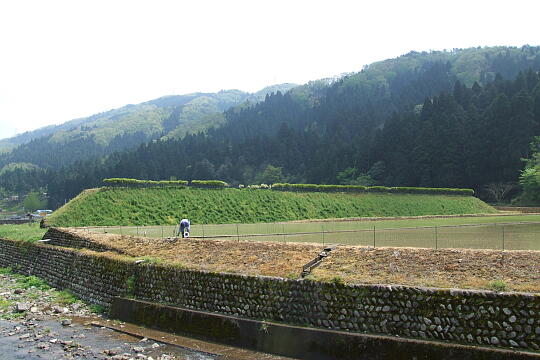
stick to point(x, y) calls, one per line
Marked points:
point(294, 341)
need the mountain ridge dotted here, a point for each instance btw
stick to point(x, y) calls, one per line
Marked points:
point(223, 100)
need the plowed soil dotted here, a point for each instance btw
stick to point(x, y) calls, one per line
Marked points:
point(450, 268)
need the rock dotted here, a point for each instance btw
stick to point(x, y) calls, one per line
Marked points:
point(138, 349)
point(507, 311)
point(59, 310)
point(513, 343)
point(53, 341)
point(34, 309)
point(18, 291)
point(111, 352)
point(22, 307)
point(155, 345)
point(43, 346)
point(24, 336)
point(66, 322)
point(512, 319)
point(494, 341)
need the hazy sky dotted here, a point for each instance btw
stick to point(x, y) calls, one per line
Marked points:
point(61, 60)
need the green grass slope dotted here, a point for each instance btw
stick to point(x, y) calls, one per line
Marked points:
point(155, 206)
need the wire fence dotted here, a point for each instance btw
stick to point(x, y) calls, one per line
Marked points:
point(500, 236)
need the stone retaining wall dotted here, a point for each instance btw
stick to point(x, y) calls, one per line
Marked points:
point(459, 316)
point(64, 238)
point(93, 278)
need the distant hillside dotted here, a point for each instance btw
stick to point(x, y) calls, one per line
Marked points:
point(157, 206)
point(126, 127)
point(462, 118)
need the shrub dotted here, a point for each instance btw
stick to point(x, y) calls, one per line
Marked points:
point(143, 183)
point(372, 189)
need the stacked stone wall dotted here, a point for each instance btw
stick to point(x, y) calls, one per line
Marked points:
point(459, 316)
point(91, 277)
point(64, 238)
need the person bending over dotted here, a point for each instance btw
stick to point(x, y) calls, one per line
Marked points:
point(184, 228)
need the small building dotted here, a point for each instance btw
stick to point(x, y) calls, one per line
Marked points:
point(42, 213)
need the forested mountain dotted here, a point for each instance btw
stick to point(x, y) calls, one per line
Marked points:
point(462, 118)
point(124, 128)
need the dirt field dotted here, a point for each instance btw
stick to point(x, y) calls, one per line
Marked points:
point(513, 270)
point(255, 258)
point(456, 268)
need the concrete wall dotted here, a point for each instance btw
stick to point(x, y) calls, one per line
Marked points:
point(458, 316)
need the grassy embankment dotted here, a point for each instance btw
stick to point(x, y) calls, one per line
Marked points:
point(156, 206)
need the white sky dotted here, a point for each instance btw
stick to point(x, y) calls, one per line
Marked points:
point(60, 60)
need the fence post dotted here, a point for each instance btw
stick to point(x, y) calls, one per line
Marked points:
point(436, 238)
point(322, 234)
point(283, 231)
point(237, 233)
point(202, 226)
point(373, 236)
point(162, 231)
point(137, 227)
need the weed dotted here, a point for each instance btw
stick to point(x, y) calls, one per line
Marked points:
point(66, 297)
point(27, 282)
point(498, 285)
point(6, 271)
point(5, 305)
point(97, 309)
point(292, 276)
point(130, 286)
point(337, 280)
point(151, 260)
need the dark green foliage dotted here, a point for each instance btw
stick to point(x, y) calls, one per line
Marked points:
point(530, 176)
point(32, 202)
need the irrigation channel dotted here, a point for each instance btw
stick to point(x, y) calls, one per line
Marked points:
point(499, 236)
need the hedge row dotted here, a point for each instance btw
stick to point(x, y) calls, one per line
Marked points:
point(212, 184)
point(218, 184)
point(143, 183)
point(376, 189)
point(209, 184)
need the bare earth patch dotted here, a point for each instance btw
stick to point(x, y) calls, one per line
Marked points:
point(454, 268)
point(253, 258)
point(449, 268)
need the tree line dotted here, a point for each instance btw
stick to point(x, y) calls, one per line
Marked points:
point(396, 133)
